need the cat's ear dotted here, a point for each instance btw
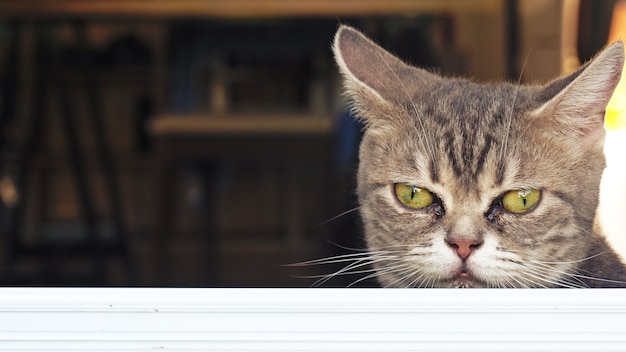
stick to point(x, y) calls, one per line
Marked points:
point(373, 76)
point(577, 103)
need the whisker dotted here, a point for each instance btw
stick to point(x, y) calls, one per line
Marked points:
point(404, 272)
point(337, 259)
point(350, 267)
point(571, 262)
point(578, 276)
point(346, 273)
point(389, 270)
point(348, 257)
point(535, 273)
point(353, 249)
point(539, 273)
point(417, 280)
point(337, 217)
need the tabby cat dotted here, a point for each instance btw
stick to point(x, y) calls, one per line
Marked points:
point(480, 185)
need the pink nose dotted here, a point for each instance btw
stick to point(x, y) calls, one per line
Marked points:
point(464, 247)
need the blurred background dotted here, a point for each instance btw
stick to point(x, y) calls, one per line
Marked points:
point(205, 143)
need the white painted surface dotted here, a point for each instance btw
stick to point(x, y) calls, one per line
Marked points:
point(44, 319)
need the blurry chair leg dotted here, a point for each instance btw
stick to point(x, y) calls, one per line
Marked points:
point(29, 148)
point(87, 211)
point(103, 150)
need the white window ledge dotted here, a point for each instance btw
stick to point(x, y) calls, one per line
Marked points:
point(92, 319)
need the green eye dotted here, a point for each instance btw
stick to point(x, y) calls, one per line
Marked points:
point(521, 201)
point(413, 196)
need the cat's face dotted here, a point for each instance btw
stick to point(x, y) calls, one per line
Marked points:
point(467, 185)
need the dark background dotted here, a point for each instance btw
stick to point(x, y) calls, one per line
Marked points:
point(154, 146)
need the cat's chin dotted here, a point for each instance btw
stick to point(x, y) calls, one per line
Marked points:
point(465, 279)
point(463, 283)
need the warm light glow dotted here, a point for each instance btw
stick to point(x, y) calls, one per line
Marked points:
point(615, 117)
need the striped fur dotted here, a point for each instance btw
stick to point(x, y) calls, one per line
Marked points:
point(468, 144)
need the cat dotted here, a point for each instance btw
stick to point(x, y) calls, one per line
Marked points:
point(464, 185)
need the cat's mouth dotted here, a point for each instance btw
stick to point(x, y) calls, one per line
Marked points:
point(464, 279)
point(463, 275)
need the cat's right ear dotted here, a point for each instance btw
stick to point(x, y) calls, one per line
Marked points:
point(374, 77)
point(576, 104)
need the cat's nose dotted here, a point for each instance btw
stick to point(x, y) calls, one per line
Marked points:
point(464, 247)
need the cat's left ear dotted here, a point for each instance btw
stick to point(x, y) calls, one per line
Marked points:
point(577, 103)
point(374, 78)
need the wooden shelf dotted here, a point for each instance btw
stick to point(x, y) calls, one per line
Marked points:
point(259, 124)
point(162, 9)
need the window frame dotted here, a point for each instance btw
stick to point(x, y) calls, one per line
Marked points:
point(192, 319)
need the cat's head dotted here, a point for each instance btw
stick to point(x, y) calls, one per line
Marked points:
point(476, 185)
